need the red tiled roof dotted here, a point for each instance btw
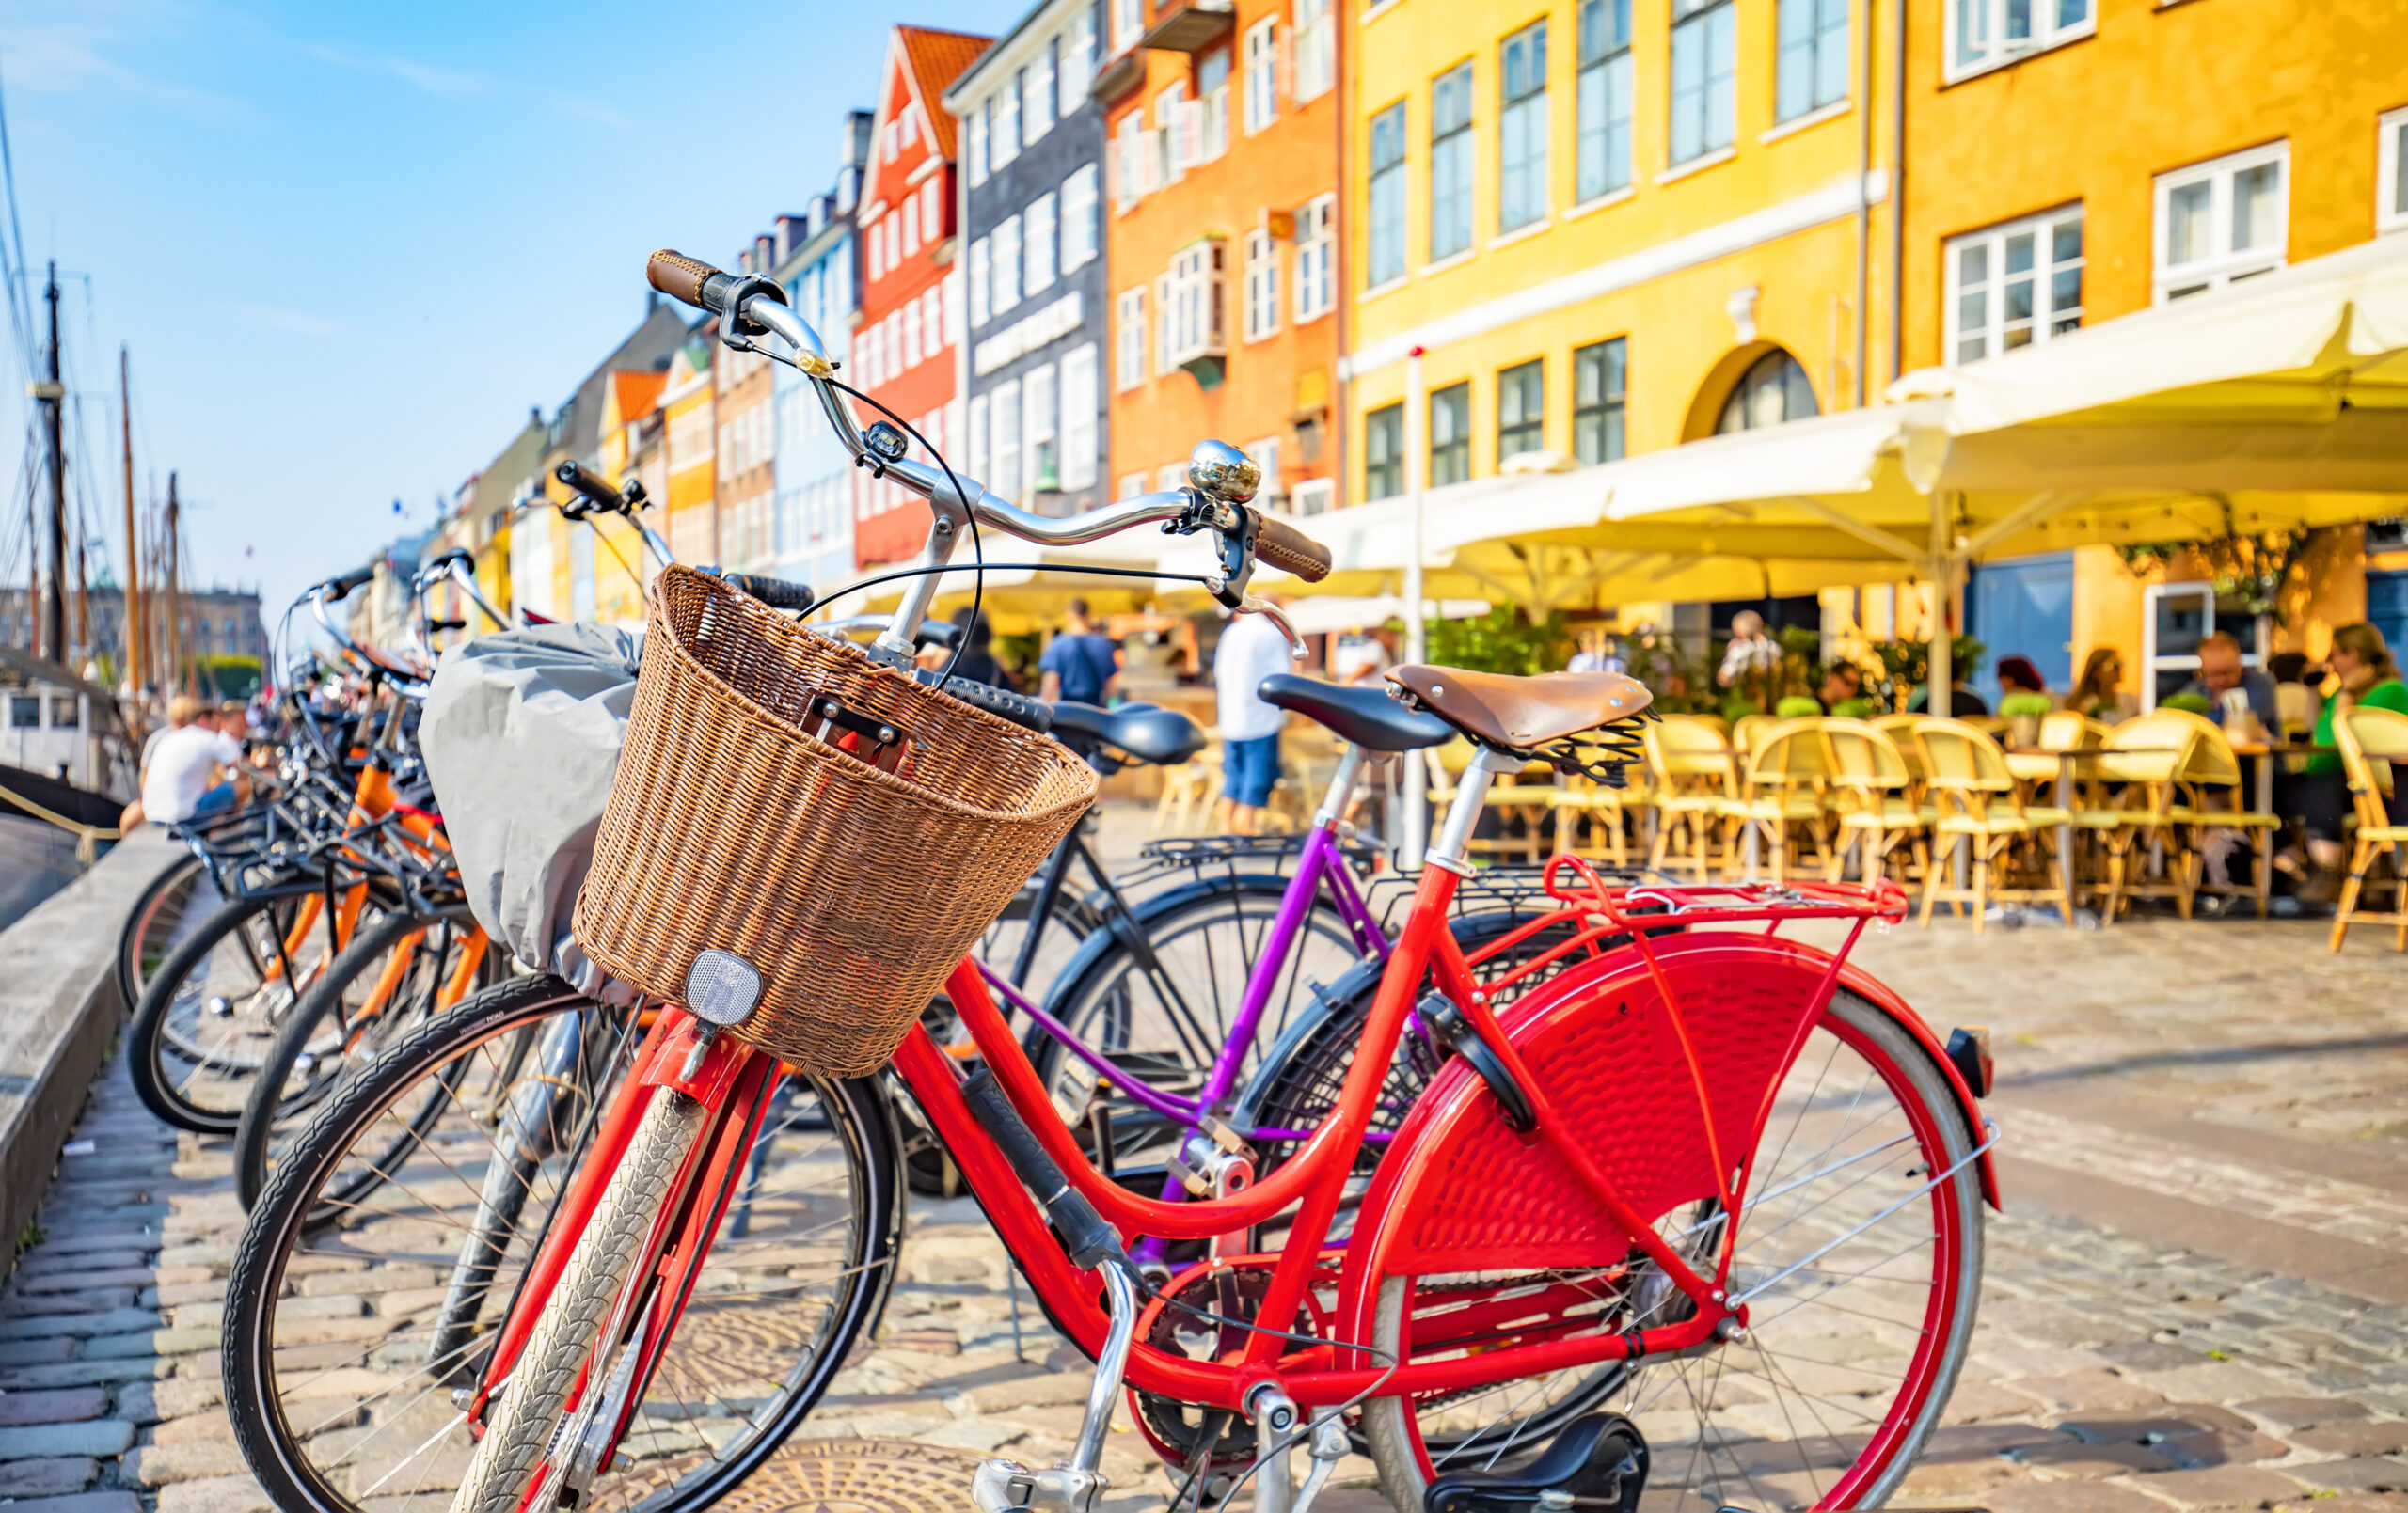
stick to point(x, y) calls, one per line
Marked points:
point(639, 394)
point(936, 59)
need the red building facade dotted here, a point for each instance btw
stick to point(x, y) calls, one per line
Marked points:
point(906, 349)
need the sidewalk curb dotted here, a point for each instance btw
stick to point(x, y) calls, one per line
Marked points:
point(59, 1011)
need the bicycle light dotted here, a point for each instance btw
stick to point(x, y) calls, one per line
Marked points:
point(722, 987)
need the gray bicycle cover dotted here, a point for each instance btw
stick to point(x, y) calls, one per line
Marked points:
point(521, 732)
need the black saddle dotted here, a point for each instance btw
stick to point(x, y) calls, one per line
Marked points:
point(1599, 1461)
point(1365, 716)
point(1147, 734)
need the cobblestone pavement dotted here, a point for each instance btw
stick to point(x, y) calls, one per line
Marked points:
point(2196, 1298)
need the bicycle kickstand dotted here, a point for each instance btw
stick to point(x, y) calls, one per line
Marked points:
point(1074, 1486)
point(1274, 1426)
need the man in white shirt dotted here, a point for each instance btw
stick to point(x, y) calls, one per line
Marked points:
point(1251, 650)
point(182, 781)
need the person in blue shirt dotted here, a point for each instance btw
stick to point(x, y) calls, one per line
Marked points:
point(1079, 664)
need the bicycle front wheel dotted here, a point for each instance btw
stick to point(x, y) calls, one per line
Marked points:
point(390, 1242)
point(156, 922)
point(1858, 1256)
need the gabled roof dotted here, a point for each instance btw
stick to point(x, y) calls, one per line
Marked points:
point(636, 394)
point(932, 60)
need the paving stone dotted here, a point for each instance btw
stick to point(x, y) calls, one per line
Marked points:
point(2217, 1381)
point(137, 1401)
point(2365, 1436)
point(156, 1342)
point(156, 1465)
point(189, 1395)
point(2089, 1392)
point(2366, 1473)
point(2074, 1459)
point(100, 1299)
point(47, 1477)
point(2347, 1503)
point(211, 1425)
point(114, 1321)
point(2223, 1447)
point(2149, 1428)
point(2222, 1486)
point(61, 1407)
point(2070, 1497)
point(106, 1501)
point(88, 1436)
point(2284, 1415)
point(80, 1373)
point(2149, 1355)
point(66, 1240)
point(36, 1351)
point(131, 1276)
point(214, 1494)
point(38, 1264)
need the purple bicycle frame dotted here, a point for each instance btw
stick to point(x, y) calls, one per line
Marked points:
point(1321, 863)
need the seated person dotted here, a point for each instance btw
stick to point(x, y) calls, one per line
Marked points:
point(2098, 692)
point(195, 769)
point(2366, 674)
point(1842, 692)
point(2221, 671)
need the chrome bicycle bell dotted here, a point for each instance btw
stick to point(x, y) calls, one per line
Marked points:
point(1220, 471)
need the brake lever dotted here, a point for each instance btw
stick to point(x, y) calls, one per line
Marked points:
point(1255, 605)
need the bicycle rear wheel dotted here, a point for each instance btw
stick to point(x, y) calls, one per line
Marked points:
point(389, 1243)
point(1860, 1258)
point(156, 922)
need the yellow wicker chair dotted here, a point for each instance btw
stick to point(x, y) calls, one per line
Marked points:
point(1189, 788)
point(2366, 737)
point(1981, 812)
point(2143, 761)
point(1689, 766)
point(1592, 820)
point(1521, 804)
point(1874, 793)
point(2209, 796)
point(1781, 792)
point(1901, 731)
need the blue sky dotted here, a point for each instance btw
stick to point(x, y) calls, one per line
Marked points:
point(351, 244)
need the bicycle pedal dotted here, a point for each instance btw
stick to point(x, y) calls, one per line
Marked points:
point(1009, 1487)
point(1599, 1463)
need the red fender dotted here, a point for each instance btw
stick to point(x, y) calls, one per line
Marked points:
point(1597, 1039)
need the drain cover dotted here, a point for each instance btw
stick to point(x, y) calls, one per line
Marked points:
point(845, 1477)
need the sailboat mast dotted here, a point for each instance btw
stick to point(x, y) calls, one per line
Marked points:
point(51, 393)
point(131, 631)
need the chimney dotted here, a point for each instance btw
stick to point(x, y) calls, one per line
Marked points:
point(854, 150)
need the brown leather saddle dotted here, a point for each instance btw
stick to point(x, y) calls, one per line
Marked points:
point(1522, 714)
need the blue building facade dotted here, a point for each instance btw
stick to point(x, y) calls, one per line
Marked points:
point(819, 266)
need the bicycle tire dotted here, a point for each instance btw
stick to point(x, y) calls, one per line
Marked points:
point(272, 1107)
point(1941, 1142)
point(291, 1234)
point(525, 1416)
point(150, 913)
point(151, 1039)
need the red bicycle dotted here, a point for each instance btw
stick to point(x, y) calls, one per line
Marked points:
point(1702, 1210)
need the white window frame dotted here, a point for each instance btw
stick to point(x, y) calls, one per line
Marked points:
point(2390, 193)
point(910, 223)
point(1130, 486)
point(1524, 120)
point(1037, 94)
point(1162, 324)
point(1316, 50)
point(1455, 154)
point(1076, 70)
point(910, 334)
point(1170, 476)
point(1818, 43)
point(1693, 27)
point(1127, 23)
point(1996, 327)
point(1394, 179)
point(1272, 490)
point(1261, 53)
point(1313, 496)
point(1003, 143)
point(1316, 247)
point(932, 339)
point(1082, 459)
point(1004, 270)
point(1261, 285)
point(976, 126)
point(1199, 302)
point(932, 209)
point(1131, 147)
point(1003, 414)
point(1988, 46)
point(981, 255)
point(2222, 265)
point(1129, 340)
point(2153, 597)
point(1079, 242)
point(976, 444)
point(1042, 245)
point(1040, 426)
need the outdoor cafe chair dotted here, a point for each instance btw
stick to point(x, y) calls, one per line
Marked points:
point(1780, 792)
point(1190, 787)
point(1749, 732)
point(1873, 793)
point(1689, 767)
point(2209, 798)
point(1901, 731)
point(1521, 804)
point(1591, 819)
point(1981, 815)
point(2366, 737)
point(2139, 771)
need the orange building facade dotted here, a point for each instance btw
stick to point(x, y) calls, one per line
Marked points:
point(906, 349)
point(1221, 194)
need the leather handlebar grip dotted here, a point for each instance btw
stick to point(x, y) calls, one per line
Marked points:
point(679, 277)
point(776, 592)
point(1290, 550)
point(576, 476)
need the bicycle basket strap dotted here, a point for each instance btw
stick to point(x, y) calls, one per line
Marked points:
point(760, 808)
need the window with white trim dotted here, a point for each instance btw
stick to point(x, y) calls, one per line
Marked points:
point(1451, 148)
point(1037, 93)
point(1313, 496)
point(1602, 147)
point(910, 225)
point(1078, 218)
point(2391, 172)
point(1042, 242)
point(1521, 128)
point(1006, 273)
point(912, 334)
point(1213, 93)
point(1316, 49)
point(1196, 300)
point(1162, 324)
point(932, 209)
point(1131, 485)
point(1262, 286)
point(1040, 431)
point(2223, 221)
point(1316, 245)
point(933, 319)
point(1170, 476)
point(1386, 227)
point(1003, 414)
point(980, 254)
point(1989, 34)
point(975, 126)
point(1081, 420)
point(1705, 73)
point(1810, 69)
point(1271, 490)
point(1003, 134)
point(2012, 284)
point(1127, 23)
point(1261, 74)
point(1167, 164)
point(1077, 48)
point(1129, 339)
point(1130, 149)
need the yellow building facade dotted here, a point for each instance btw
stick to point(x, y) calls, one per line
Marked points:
point(1609, 226)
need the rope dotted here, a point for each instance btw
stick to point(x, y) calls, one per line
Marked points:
point(85, 834)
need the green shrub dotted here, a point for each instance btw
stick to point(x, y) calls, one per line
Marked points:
point(2019, 705)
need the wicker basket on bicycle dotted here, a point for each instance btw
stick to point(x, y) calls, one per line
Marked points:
point(847, 830)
